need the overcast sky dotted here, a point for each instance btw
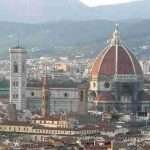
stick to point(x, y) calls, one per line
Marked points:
point(93, 3)
point(51, 10)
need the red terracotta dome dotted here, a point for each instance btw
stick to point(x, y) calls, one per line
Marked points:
point(115, 59)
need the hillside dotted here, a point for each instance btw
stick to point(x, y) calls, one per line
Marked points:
point(73, 37)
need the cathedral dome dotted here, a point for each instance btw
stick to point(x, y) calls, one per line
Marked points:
point(115, 59)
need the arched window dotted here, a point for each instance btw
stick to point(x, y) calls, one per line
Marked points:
point(94, 84)
point(15, 67)
point(81, 95)
point(65, 94)
point(23, 67)
point(32, 93)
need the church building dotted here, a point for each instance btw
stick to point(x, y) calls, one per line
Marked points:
point(116, 78)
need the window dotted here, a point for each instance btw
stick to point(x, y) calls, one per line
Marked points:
point(23, 95)
point(81, 95)
point(109, 108)
point(15, 95)
point(23, 67)
point(15, 83)
point(32, 93)
point(106, 84)
point(15, 67)
point(65, 95)
point(94, 84)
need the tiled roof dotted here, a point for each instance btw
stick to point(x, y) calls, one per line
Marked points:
point(113, 61)
point(104, 96)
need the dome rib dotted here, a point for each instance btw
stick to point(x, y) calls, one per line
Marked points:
point(131, 58)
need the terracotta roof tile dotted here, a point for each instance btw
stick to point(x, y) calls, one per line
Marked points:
point(105, 96)
point(114, 59)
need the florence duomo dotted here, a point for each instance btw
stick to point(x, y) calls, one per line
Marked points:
point(80, 80)
point(117, 78)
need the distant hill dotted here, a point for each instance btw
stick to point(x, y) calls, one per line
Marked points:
point(84, 38)
point(55, 10)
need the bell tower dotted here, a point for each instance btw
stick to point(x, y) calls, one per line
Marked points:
point(18, 77)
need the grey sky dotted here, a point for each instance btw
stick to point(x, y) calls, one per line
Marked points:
point(45, 10)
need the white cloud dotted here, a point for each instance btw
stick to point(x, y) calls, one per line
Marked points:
point(94, 3)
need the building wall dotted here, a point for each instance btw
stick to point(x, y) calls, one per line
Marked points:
point(63, 99)
point(60, 99)
point(37, 134)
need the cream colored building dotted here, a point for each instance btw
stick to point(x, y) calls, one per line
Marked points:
point(57, 121)
point(40, 133)
point(62, 67)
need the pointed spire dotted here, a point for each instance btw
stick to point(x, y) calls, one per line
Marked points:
point(45, 80)
point(45, 95)
point(116, 36)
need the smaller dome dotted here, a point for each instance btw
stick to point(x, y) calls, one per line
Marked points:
point(104, 96)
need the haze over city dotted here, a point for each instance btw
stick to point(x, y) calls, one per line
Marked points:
point(75, 74)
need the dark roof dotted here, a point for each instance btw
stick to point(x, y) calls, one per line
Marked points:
point(17, 47)
point(57, 83)
point(34, 83)
point(16, 123)
point(63, 83)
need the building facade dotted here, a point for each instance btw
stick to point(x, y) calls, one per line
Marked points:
point(18, 77)
point(40, 133)
point(63, 96)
